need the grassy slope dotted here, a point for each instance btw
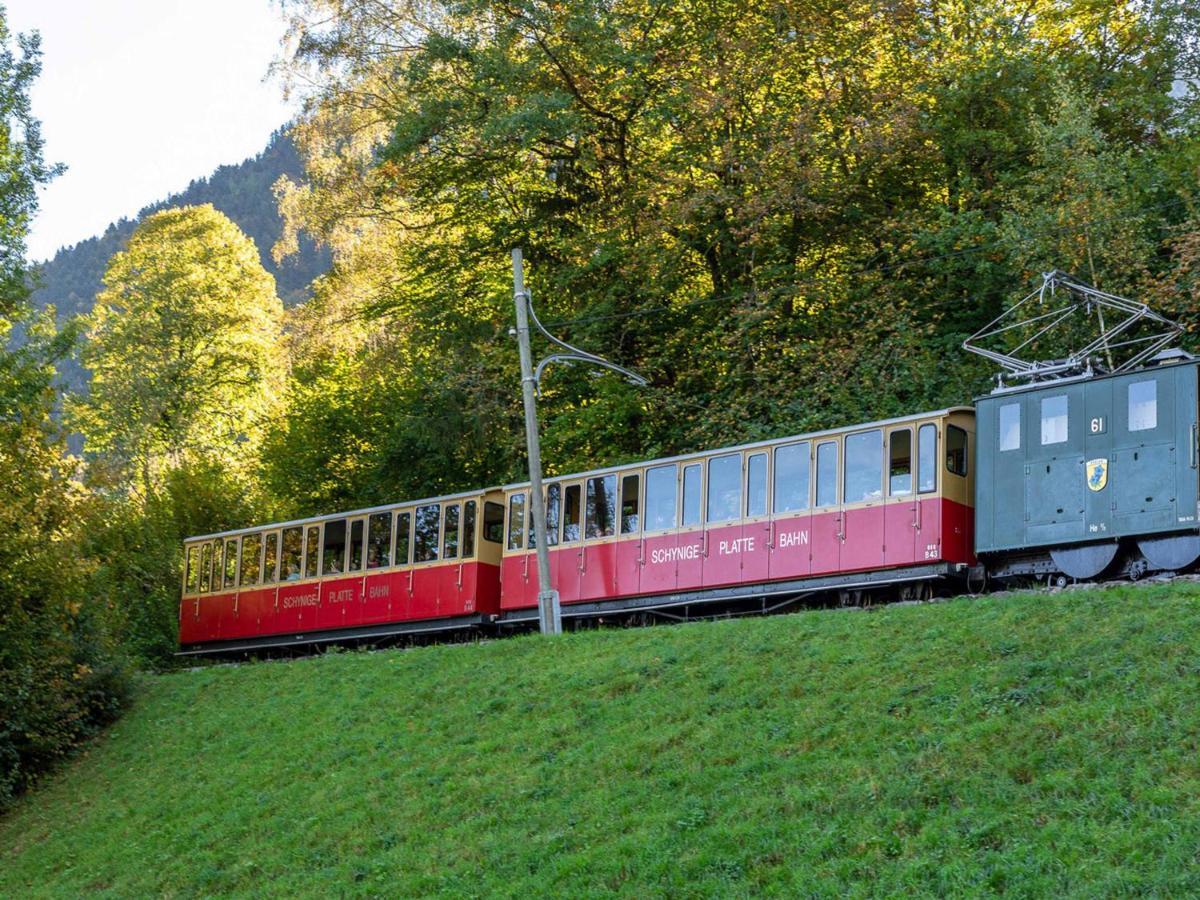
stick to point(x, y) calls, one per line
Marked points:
point(1025, 743)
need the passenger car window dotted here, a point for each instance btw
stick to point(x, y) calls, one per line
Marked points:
point(251, 548)
point(425, 532)
point(312, 543)
point(333, 560)
point(630, 503)
point(1010, 426)
point(691, 495)
point(864, 466)
point(379, 541)
point(571, 513)
point(1054, 420)
point(724, 487)
point(516, 521)
point(231, 561)
point(827, 454)
point(927, 458)
point(900, 463)
point(468, 532)
point(553, 513)
point(450, 532)
point(756, 485)
point(956, 451)
point(493, 522)
point(356, 546)
point(292, 548)
point(661, 488)
point(193, 570)
point(271, 558)
point(601, 513)
point(403, 537)
point(217, 548)
point(791, 477)
point(1143, 405)
point(205, 567)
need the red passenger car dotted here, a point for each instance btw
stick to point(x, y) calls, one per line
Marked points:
point(851, 509)
point(423, 566)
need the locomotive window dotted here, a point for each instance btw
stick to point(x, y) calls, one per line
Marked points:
point(312, 543)
point(516, 521)
point(493, 522)
point(293, 540)
point(334, 557)
point(468, 534)
point(379, 541)
point(403, 538)
point(927, 457)
point(251, 548)
point(661, 486)
point(691, 495)
point(956, 451)
point(864, 466)
point(231, 561)
point(724, 487)
point(571, 513)
point(356, 546)
point(553, 513)
point(756, 485)
point(601, 512)
point(270, 558)
point(193, 570)
point(900, 463)
point(1054, 420)
point(791, 477)
point(1143, 405)
point(205, 566)
point(425, 532)
point(1010, 426)
point(827, 454)
point(630, 487)
point(450, 530)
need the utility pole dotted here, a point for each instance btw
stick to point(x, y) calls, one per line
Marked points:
point(549, 610)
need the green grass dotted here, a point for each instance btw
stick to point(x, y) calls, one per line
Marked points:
point(1028, 744)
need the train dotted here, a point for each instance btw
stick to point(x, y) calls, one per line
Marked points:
point(1088, 475)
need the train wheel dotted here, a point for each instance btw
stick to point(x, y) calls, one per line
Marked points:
point(1171, 554)
point(1088, 561)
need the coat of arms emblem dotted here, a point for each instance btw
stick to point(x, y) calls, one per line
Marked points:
point(1097, 474)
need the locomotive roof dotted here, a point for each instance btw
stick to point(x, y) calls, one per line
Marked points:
point(1160, 362)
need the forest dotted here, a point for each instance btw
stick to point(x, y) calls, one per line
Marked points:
point(784, 215)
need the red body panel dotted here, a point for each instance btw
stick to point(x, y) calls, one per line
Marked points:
point(862, 547)
point(255, 612)
point(189, 622)
point(722, 560)
point(791, 551)
point(452, 589)
point(826, 543)
point(341, 603)
point(900, 532)
point(659, 564)
point(382, 598)
point(598, 572)
point(689, 561)
point(794, 546)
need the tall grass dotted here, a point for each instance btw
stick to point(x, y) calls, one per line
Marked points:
point(1029, 744)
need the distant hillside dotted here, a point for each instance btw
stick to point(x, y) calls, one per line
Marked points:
point(1029, 744)
point(73, 277)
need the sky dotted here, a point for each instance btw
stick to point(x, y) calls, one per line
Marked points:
point(139, 97)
